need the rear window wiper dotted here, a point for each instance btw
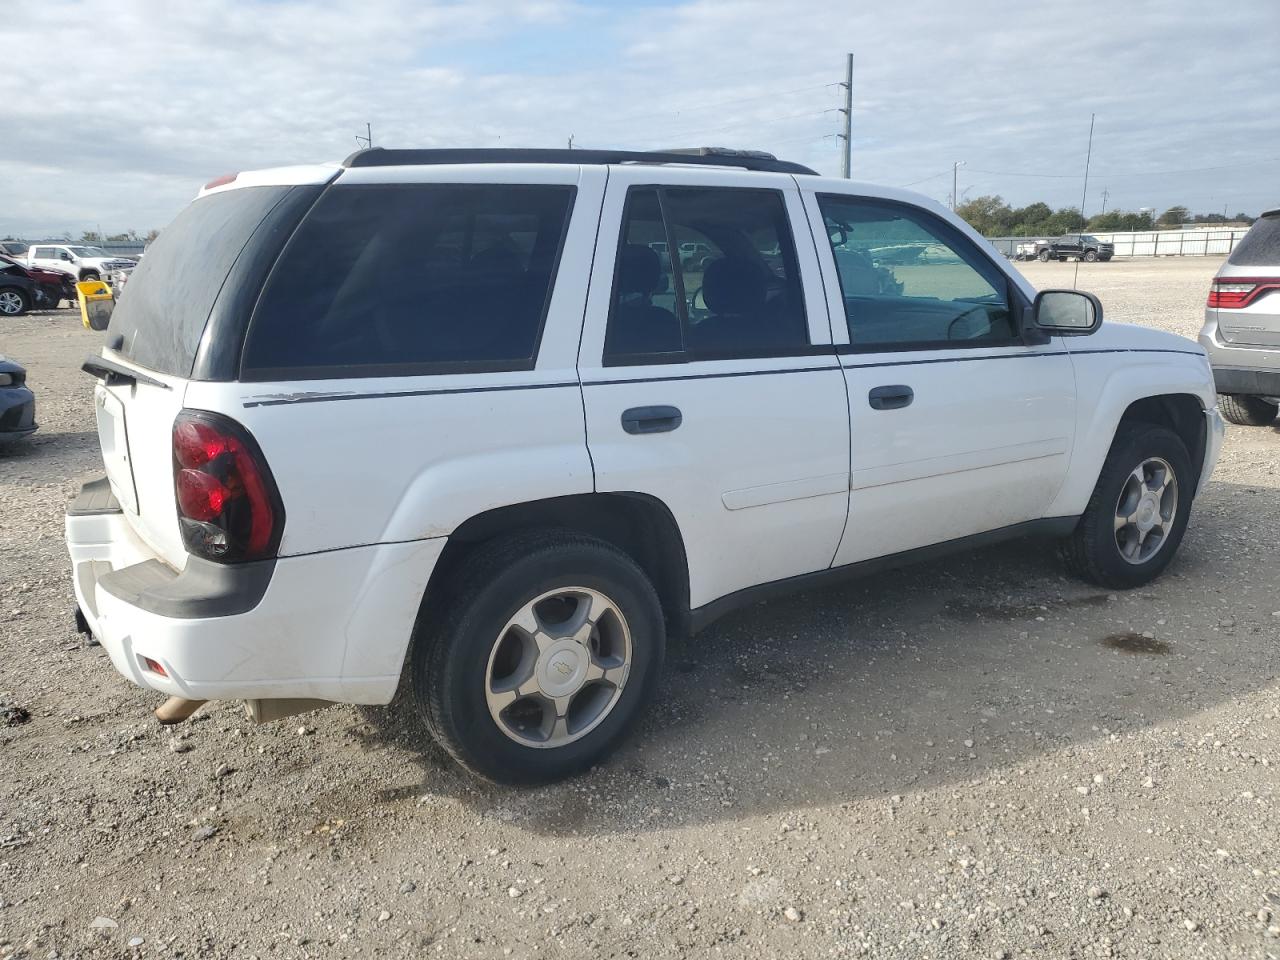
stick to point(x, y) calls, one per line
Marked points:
point(110, 372)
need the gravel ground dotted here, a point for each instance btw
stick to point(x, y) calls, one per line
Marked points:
point(975, 757)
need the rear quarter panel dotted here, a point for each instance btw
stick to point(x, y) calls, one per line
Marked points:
point(394, 459)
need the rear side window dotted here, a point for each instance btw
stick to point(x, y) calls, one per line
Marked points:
point(705, 274)
point(163, 311)
point(399, 279)
point(1260, 247)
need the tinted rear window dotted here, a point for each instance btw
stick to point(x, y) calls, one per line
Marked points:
point(388, 279)
point(163, 310)
point(1260, 247)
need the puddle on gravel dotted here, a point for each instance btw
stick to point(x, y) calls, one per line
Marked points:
point(1134, 643)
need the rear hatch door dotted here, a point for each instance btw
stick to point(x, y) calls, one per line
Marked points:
point(152, 341)
point(135, 420)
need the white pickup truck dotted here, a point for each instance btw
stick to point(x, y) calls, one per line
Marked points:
point(83, 262)
point(509, 474)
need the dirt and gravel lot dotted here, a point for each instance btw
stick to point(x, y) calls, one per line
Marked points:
point(976, 757)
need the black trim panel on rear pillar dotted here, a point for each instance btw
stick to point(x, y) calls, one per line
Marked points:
point(203, 589)
point(708, 613)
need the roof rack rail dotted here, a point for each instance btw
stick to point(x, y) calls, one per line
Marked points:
point(698, 156)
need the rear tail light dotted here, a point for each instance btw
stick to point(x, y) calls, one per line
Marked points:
point(1232, 293)
point(228, 506)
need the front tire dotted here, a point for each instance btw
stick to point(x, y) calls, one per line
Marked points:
point(1091, 256)
point(13, 302)
point(1138, 513)
point(547, 648)
point(1247, 411)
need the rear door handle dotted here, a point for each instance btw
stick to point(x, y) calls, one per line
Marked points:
point(893, 397)
point(660, 419)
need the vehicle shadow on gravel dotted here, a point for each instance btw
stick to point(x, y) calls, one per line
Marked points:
point(43, 443)
point(943, 673)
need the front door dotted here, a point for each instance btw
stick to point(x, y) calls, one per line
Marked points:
point(709, 379)
point(959, 426)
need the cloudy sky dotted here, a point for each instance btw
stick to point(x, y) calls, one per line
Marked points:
point(115, 111)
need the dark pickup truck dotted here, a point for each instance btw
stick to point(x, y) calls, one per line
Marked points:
point(1078, 245)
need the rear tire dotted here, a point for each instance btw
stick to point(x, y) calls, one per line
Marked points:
point(1132, 526)
point(1043, 256)
point(1247, 411)
point(516, 678)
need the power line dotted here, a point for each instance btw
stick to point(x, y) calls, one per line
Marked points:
point(722, 103)
point(671, 136)
point(1144, 173)
point(935, 176)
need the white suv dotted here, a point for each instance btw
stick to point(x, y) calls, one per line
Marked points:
point(513, 469)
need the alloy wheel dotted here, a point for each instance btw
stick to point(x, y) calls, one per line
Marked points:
point(10, 302)
point(1146, 510)
point(558, 667)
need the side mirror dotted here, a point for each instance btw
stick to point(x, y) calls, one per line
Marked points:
point(1066, 313)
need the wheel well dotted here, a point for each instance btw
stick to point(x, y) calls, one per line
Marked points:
point(1180, 412)
point(637, 524)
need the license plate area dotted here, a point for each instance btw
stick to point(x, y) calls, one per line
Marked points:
point(114, 436)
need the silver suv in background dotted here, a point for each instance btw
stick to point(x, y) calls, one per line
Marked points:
point(1242, 326)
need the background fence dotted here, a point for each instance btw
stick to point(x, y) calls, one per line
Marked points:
point(1151, 243)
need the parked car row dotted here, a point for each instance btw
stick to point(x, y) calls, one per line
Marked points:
point(24, 288)
point(42, 276)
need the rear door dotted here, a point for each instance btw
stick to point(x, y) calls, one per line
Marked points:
point(708, 375)
point(958, 425)
point(1071, 245)
point(43, 257)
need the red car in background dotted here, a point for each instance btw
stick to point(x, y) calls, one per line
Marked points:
point(51, 286)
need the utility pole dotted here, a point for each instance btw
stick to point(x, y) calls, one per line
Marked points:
point(571, 141)
point(846, 155)
point(1105, 193)
point(955, 183)
point(367, 139)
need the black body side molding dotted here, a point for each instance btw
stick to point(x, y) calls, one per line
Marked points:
point(706, 615)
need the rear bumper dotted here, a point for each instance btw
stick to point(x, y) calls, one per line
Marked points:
point(1247, 381)
point(330, 626)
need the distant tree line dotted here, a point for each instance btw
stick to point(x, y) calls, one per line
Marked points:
point(992, 217)
point(129, 236)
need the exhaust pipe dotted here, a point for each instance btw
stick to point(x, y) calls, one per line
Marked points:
point(176, 709)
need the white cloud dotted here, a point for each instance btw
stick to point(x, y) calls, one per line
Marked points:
point(118, 110)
